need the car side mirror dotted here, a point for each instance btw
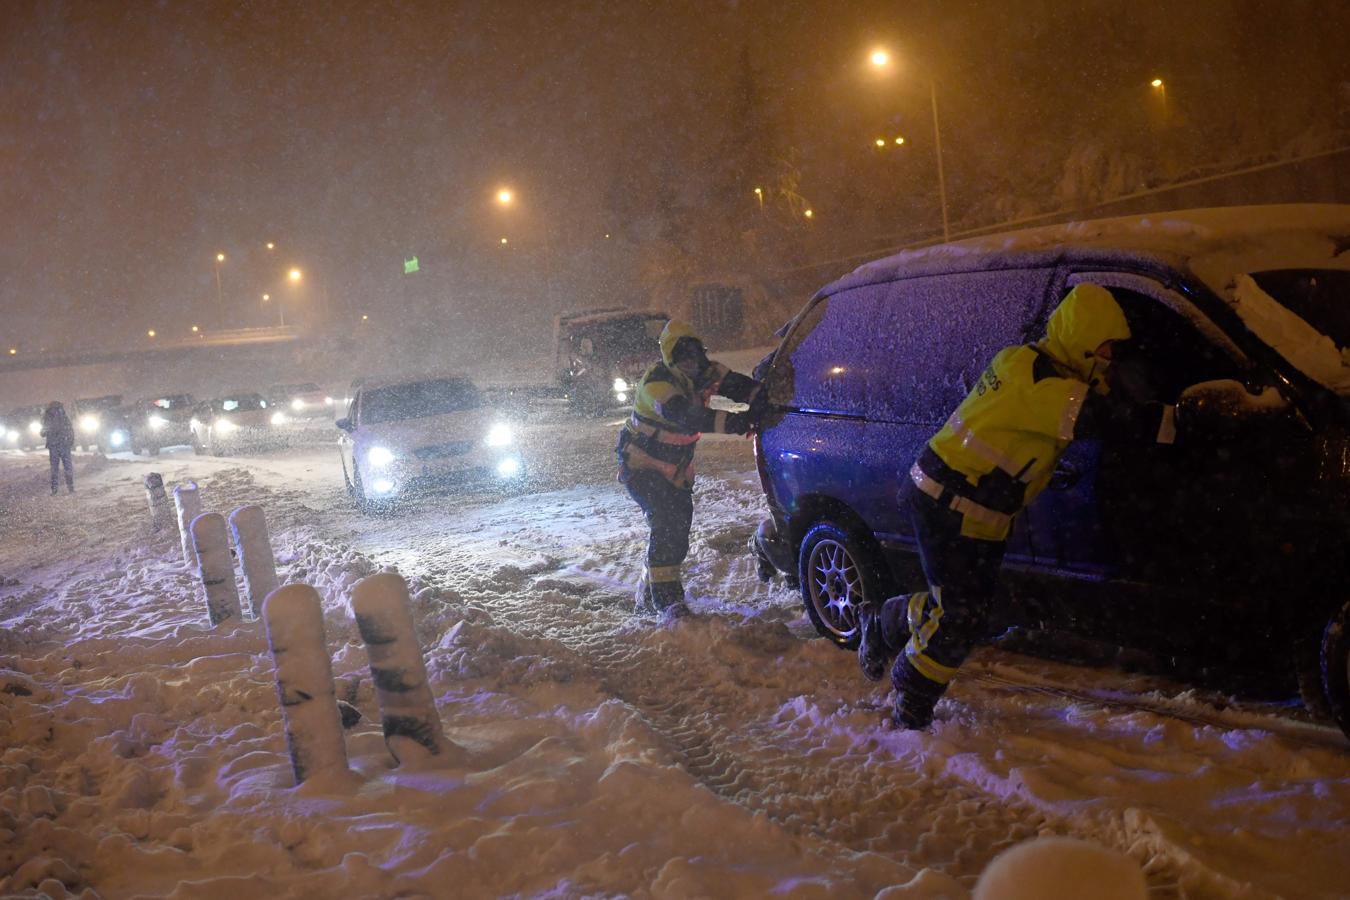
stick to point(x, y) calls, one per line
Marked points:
point(345, 424)
point(1226, 408)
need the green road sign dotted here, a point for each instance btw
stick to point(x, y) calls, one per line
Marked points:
point(410, 266)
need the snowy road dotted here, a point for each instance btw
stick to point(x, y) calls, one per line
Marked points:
point(729, 755)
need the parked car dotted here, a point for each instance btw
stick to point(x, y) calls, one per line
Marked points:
point(234, 422)
point(301, 401)
point(407, 434)
point(23, 428)
point(158, 422)
point(94, 419)
point(1227, 548)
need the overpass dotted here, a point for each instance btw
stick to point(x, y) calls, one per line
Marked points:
point(151, 348)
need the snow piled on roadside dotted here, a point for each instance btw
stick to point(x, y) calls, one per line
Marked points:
point(142, 753)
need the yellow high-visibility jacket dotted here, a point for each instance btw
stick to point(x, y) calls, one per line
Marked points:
point(998, 450)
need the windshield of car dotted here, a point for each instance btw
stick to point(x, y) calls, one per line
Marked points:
point(1320, 297)
point(625, 337)
point(419, 398)
point(89, 404)
point(240, 403)
point(287, 390)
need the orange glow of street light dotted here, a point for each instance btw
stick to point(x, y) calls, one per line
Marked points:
point(220, 257)
point(13, 351)
point(1157, 82)
point(271, 245)
point(880, 58)
point(503, 240)
point(195, 329)
point(810, 213)
point(899, 141)
point(365, 318)
point(881, 142)
point(295, 275)
point(504, 196)
point(266, 297)
point(150, 333)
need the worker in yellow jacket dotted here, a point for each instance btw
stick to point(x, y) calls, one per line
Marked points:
point(656, 451)
point(995, 453)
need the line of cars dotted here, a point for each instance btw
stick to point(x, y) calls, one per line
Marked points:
point(232, 421)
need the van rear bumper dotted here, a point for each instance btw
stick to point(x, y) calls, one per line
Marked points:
point(773, 550)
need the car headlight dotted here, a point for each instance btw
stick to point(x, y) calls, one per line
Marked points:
point(621, 397)
point(508, 467)
point(117, 438)
point(279, 418)
point(620, 385)
point(89, 423)
point(297, 404)
point(35, 427)
point(500, 435)
point(12, 436)
point(327, 401)
point(379, 457)
point(156, 422)
point(225, 426)
point(194, 422)
point(382, 486)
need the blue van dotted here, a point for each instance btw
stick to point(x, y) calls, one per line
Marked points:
point(1227, 549)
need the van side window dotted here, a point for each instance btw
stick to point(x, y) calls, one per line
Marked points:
point(1166, 353)
point(933, 337)
point(817, 367)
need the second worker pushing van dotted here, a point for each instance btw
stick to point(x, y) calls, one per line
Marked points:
point(656, 452)
point(996, 452)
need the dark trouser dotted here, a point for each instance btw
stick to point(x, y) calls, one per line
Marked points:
point(670, 513)
point(938, 627)
point(60, 456)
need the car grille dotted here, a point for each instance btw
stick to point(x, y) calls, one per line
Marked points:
point(440, 451)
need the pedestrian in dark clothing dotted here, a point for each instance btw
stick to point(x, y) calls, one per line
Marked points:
point(60, 435)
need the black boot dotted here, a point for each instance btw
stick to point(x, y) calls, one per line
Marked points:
point(874, 654)
point(668, 599)
point(915, 696)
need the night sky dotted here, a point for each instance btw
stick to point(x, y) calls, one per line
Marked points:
point(139, 139)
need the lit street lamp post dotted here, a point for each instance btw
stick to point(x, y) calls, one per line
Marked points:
point(881, 59)
point(220, 297)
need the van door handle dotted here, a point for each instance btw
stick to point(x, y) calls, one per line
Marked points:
point(1065, 476)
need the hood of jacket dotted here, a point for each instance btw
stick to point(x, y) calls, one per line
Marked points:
point(671, 335)
point(1085, 318)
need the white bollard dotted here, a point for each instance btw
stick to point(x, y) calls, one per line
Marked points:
point(412, 728)
point(160, 517)
point(188, 501)
point(217, 568)
point(249, 527)
point(293, 616)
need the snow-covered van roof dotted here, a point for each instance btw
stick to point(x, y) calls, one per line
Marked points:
point(1218, 246)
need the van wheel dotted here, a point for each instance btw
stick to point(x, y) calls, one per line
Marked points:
point(838, 575)
point(1336, 666)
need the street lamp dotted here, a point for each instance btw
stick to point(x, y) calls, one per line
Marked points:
point(1158, 85)
point(150, 333)
point(295, 275)
point(881, 59)
point(271, 245)
point(759, 195)
point(220, 298)
point(504, 196)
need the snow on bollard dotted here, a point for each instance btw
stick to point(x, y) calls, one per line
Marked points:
point(158, 500)
point(249, 527)
point(189, 504)
point(293, 617)
point(412, 728)
point(217, 568)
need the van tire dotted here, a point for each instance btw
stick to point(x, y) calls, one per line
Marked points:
point(838, 573)
point(1335, 658)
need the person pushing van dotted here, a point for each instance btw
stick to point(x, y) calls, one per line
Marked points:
point(995, 453)
point(656, 452)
